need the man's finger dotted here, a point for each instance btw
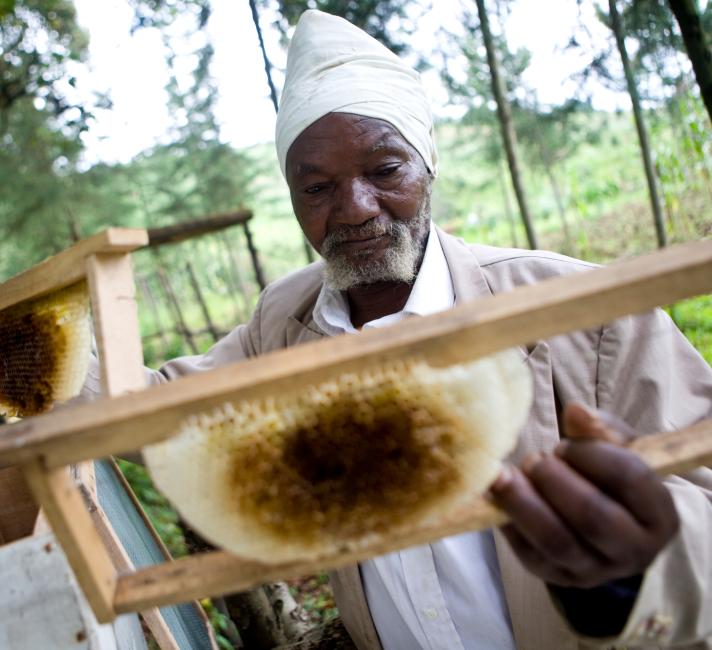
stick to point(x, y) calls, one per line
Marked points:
point(537, 522)
point(597, 520)
point(584, 422)
point(626, 478)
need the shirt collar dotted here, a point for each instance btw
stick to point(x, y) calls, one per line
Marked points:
point(432, 292)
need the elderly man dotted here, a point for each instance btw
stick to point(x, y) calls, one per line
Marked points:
point(599, 551)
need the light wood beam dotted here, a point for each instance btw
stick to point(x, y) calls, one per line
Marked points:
point(465, 333)
point(67, 267)
point(71, 523)
point(115, 315)
point(211, 574)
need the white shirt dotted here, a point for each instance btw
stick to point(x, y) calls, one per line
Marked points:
point(447, 595)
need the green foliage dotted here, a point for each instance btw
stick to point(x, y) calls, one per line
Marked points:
point(694, 318)
point(162, 13)
point(39, 72)
point(35, 193)
point(162, 516)
point(40, 124)
point(220, 623)
point(316, 598)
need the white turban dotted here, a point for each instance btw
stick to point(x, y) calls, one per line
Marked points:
point(334, 67)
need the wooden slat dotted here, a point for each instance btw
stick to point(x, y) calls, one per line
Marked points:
point(677, 452)
point(71, 523)
point(212, 574)
point(115, 315)
point(67, 267)
point(464, 333)
point(18, 510)
point(178, 232)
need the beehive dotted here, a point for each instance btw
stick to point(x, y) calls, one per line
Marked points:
point(338, 465)
point(44, 351)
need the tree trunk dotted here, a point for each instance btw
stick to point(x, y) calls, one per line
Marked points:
point(256, 266)
point(265, 58)
point(291, 616)
point(273, 94)
point(568, 239)
point(195, 285)
point(239, 285)
point(255, 619)
point(688, 17)
point(179, 319)
point(501, 177)
point(504, 114)
point(640, 125)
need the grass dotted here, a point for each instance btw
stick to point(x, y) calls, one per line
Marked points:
point(694, 318)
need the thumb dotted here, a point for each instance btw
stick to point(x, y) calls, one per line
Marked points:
point(588, 423)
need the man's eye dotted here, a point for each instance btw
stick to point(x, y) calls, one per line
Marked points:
point(314, 189)
point(387, 170)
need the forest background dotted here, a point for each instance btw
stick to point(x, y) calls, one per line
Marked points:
point(517, 169)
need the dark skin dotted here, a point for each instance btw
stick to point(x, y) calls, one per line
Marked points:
point(585, 515)
point(346, 170)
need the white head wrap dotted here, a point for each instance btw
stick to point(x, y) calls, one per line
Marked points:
point(334, 67)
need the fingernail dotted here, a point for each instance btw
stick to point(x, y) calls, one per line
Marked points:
point(503, 480)
point(560, 449)
point(531, 461)
point(593, 418)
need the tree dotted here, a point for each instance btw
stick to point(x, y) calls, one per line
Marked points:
point(698, 48)
point(655, 203)
point(41, 73)
point(273, 95)
point(550, 135)
point(40, 124)
point(504, 113)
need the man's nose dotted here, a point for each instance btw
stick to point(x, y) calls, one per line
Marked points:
point(356, 203)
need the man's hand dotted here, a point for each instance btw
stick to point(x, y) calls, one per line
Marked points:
point(588, 514)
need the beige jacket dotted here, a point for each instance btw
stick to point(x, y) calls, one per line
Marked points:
point(640, 369)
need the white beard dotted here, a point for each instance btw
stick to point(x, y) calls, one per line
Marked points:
point(400, 262)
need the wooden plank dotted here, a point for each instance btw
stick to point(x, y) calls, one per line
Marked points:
point(677, 452)
point(115, 315)
point(67, 267)
point(179, 232)
point(18, 510)
point(465, 333)
point(212, 574)
point(64, 508)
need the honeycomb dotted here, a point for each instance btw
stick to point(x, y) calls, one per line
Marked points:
point(44, 351)
point(344, 463)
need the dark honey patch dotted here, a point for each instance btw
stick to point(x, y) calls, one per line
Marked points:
point(31, 345)
point(356, 465)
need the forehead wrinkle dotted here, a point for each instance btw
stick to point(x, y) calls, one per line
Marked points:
point(304, 169)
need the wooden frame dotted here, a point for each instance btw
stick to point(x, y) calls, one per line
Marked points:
point(45, 444)
point(69, 499)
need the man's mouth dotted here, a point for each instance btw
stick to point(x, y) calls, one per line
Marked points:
point(362, 244)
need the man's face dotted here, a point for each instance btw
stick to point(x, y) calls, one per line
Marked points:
point(361, 194)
